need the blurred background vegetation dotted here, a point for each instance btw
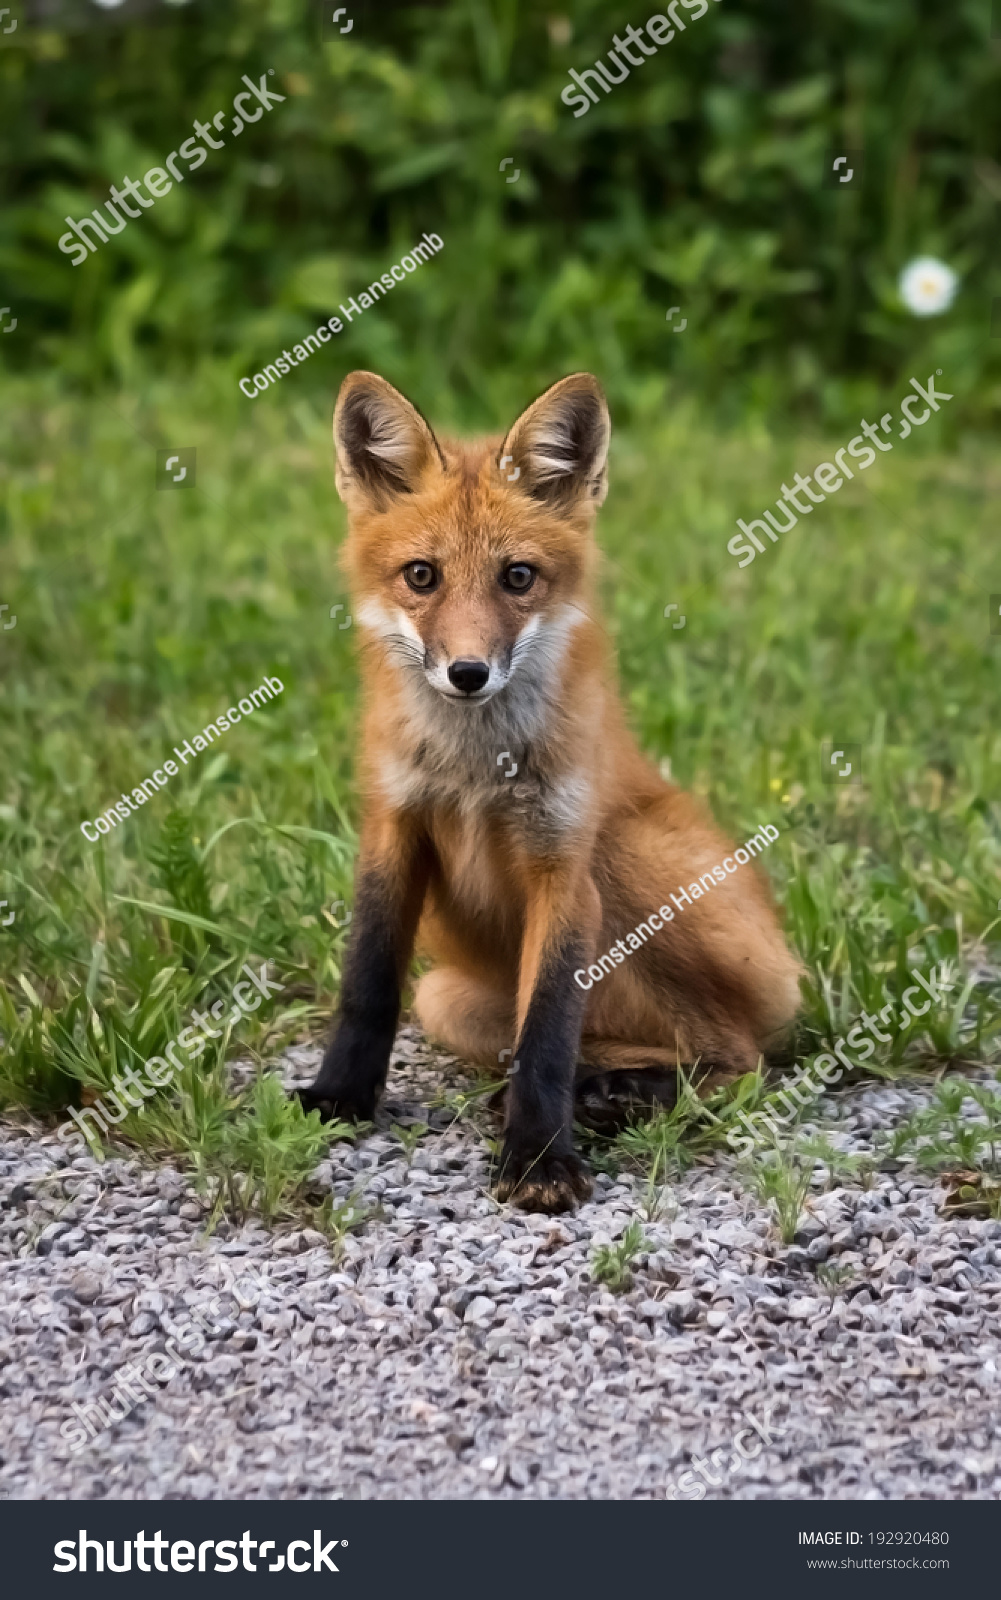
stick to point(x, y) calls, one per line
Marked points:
point(698, 182)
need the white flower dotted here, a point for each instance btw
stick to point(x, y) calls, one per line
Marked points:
point(928, 287)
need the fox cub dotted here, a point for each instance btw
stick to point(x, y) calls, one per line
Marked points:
point(512, 830)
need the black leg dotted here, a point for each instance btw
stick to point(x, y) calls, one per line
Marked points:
point(539, 1169)
point(357, 1059)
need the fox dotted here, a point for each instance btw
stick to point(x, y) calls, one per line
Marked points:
point(511, 827)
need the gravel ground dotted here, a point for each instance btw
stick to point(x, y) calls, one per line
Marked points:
point(458, 1349)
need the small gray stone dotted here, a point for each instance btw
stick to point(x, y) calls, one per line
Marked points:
point(481, 1309)
point(85, 1286)
point(680, 1305)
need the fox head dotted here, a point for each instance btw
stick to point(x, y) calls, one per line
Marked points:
point(470, 563)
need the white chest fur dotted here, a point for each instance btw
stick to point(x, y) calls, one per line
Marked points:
point(498, 756)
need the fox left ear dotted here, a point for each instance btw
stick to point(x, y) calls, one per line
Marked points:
point(383, 443)
point(560, 444)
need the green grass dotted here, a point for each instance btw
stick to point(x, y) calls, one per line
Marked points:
point(143, 614)
point(960, 1128)
point(782, 1180)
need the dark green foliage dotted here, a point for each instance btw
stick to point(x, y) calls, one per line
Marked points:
point(697, 181)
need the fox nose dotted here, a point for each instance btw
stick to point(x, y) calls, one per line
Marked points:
point(468, 676)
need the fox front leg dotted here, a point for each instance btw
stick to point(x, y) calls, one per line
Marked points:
point(539, 1168)
point(392, 879)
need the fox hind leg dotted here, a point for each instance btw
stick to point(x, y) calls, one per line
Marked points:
point(467, 1016)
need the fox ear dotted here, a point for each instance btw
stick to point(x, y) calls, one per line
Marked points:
point(559, 446)
point(383, 443)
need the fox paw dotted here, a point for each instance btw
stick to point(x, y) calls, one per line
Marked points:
point(609, 1101)
point(333, 1105)
point(546, 1182)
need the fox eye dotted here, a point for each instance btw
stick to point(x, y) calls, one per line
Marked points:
point(421, 576)
point(518, 578)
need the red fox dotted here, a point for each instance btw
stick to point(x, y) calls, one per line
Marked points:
point(512, 830)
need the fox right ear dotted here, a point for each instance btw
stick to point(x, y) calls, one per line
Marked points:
point(383, 444)
point(560, 444)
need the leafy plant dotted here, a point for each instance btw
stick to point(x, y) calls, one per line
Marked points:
point(961, 1128)
point(833, 1278)
point(409, 1137)
point(657, 1202)
point(783, 1180)
point(337, 1220)
point(700, 180)
point(271, 1146)
point(469, 1104)
point(666, 1143)
point(840, 1164)
point(610, 1263)
point(180, 866)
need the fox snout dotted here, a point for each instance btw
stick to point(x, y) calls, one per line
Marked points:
point(466, 674)
point(469, 675)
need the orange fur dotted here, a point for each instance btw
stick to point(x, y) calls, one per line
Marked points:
point(586, 837)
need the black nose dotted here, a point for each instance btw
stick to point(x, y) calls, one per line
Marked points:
point(469, 676)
